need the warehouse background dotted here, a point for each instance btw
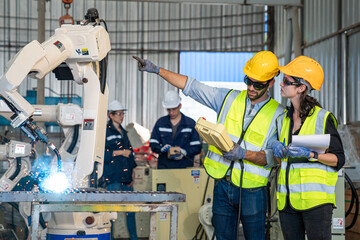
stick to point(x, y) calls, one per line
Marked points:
point(326, 30)
point(156, 31)
point(160, 31)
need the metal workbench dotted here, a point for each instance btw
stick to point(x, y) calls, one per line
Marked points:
point(100, 201)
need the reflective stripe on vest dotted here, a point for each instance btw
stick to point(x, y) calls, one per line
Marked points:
point(255, 139)
point(310, 183)
point(308, 187)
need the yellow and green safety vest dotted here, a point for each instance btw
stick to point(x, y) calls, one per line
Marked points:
point(255, 138)
point(309, 184)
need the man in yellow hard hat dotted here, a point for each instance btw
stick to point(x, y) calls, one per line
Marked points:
point(240, 191)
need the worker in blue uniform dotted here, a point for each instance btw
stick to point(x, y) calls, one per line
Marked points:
point(119, 162)
point(175, 130)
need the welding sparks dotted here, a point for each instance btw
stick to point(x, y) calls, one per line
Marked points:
point(56, 182)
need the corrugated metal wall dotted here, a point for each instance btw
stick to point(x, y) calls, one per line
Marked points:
point(322, 25)
point(156, 31)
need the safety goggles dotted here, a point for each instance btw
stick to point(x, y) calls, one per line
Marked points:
point(119, 113)
point(288, 83)
point(257, 86)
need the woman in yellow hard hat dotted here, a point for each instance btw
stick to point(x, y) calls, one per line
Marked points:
point(306, 186)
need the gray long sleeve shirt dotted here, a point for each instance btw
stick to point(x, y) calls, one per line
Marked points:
point(213, 98)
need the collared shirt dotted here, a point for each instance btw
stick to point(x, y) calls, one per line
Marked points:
point(185, 137)
point(213, 98)
point(251, 110)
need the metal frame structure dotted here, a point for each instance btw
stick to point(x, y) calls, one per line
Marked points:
point(244, 2)
point(100, 201)
point(37, 208)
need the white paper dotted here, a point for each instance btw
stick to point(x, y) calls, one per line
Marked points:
point(318, 142)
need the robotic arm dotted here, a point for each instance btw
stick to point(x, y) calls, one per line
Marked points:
point(18, 153)
point(81, 47)
point(71, 43)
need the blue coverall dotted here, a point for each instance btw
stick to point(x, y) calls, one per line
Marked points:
point(186, 137)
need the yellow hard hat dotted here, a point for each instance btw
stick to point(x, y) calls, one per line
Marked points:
point(263, 66)
point(307, 69)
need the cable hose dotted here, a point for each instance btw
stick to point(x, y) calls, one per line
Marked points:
point(74, 139)
point(41, 219)
point(103, 72)
point(59, 163)
point(352, 195)
point(278, 168)
point(17, 170)
point(353, 190)
point(206, 186)
point(198, 229)
point(202, 234)
point(270, 216)
point(240, 190)
point(103, 66)
point(268, 219)
point(16, 206)
point(351, 204)
point(203, 201)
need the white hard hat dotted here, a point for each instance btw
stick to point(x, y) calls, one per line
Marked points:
point(116, 106)
point(171, 99)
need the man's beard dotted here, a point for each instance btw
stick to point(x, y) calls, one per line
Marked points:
point(258, 94)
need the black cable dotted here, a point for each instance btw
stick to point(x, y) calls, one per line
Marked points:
point(240, 190)
point(268, 220)
point(353, 191)
point(16, 206)
point(270, 216)
point(351, 204)
point(352, 198)
point(103, 21)
point(199, 228)
point(41, 219)
point(59, 162)
point(103, 72)
point(92, 17)
point(17, 170)
point(206, 186)
point(103, 67)
point(4, 139)
point(74, 139)
point(202, 234)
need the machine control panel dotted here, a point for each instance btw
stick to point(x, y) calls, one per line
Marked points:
point(88, 124)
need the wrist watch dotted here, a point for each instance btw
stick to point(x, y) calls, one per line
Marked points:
point(316, 155)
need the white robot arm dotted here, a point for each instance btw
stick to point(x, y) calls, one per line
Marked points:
point(80, 46)
point(18, 153)
point(73, 44)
